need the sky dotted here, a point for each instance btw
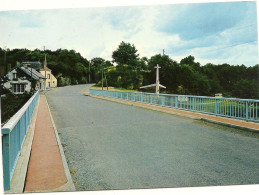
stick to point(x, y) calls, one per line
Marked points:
point(212, 32)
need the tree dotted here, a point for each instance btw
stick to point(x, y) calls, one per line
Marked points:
point(190, 61)
point(245, 88)
point(126, 54)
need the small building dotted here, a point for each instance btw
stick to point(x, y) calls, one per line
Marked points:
point(50, 80)
point(23, 79)
point(218, 95)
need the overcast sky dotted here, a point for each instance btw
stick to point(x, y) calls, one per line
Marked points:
point(224, 32)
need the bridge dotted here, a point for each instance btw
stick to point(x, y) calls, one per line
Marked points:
point(121, 140)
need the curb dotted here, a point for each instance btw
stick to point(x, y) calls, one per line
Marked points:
point(178, 114)
point(69, 186)
point(230, 125)
point(20, 172)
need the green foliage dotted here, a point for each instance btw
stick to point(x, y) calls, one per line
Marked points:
point(72, 66)
point(63, 81)
point(10, 104)
point(126, 54)
point(132, 72)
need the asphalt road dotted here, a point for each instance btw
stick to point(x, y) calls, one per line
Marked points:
point(109, 145)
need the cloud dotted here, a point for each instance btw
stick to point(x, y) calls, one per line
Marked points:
point(201, 20)
point(181, 29)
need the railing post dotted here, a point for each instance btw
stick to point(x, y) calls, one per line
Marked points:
point(176, 101)
point(162, 100)
point(127, 96)
point(216, 107)
point(134, 97)
point(6, 160)
point(141, 97)
point(150, 100)
point(193, 103)
point(246, 110)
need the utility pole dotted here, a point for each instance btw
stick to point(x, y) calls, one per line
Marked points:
point(102, 76)
point(106, 80)
point(163, 52)
point(5, 60)
point(89, 70)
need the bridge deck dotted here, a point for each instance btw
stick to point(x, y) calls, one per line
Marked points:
point(114, 146)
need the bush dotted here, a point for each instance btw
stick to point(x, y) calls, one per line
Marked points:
point(11, 103)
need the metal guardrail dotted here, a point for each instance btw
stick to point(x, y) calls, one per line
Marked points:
point(244, 109)
point(13, 136)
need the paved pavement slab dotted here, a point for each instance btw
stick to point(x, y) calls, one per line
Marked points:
point(45, 170)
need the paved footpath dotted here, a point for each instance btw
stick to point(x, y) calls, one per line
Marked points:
point(45, 171)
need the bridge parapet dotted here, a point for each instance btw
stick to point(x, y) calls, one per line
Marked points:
point(243, 109)
point(13, 136)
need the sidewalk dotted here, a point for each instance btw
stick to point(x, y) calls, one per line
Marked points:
point(251, 126)
point(47, 169)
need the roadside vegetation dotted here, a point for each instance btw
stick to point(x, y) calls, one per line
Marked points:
point(128, 71)
point(11, 103)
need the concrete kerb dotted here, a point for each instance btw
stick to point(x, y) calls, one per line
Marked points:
point(230, 125)
point(69, 186)
point(156, 108)
point(20, 172)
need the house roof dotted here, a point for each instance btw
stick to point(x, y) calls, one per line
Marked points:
point(32, 72)
point(35, 65)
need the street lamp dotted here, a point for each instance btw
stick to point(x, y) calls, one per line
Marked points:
point(102, 76)
point(106, 79)
point(89, 70)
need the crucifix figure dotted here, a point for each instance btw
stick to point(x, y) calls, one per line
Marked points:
point(157, 84)
point(157, 78)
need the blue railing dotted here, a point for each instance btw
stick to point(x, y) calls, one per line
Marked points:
point(13, 136)
point(244, 109)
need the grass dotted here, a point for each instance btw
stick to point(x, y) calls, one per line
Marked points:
point(113, 89)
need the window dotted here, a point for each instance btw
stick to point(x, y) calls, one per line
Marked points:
point(18, 88)
point(14, 75)
point(49, 84)
point(48, 76)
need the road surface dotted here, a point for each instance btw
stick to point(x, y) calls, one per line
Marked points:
point(110, 145)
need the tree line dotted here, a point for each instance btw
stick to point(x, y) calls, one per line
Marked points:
point(127, 70)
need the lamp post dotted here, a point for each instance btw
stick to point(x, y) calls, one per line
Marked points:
point(89, 70)
point(106, 79)
point(102, 76)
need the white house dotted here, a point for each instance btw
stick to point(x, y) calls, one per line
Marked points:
point(23, 78)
